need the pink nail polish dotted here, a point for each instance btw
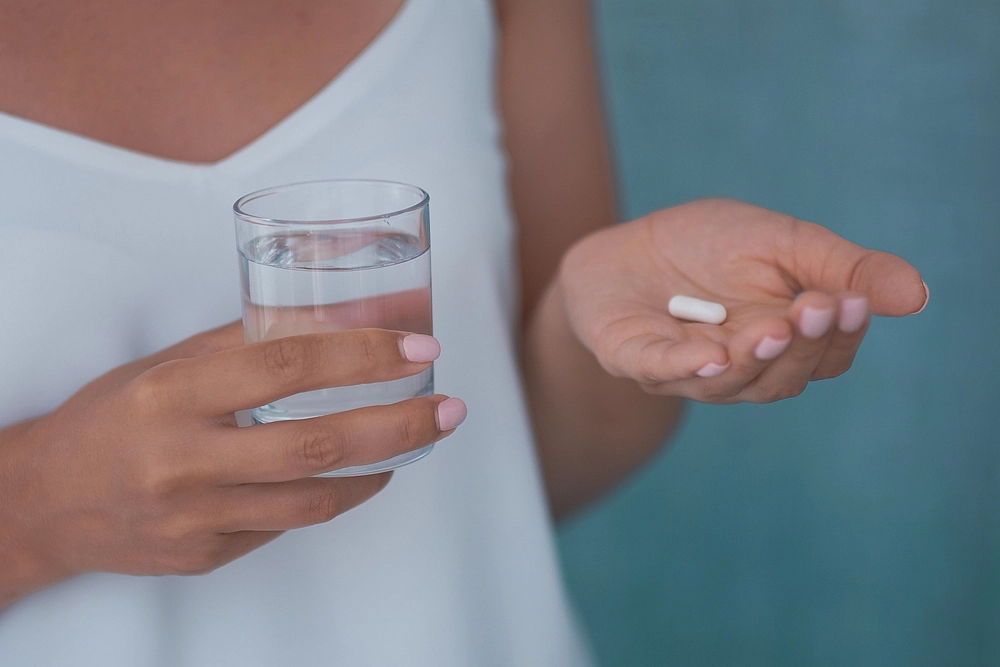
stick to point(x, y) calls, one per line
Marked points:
point(450, 413)
point(815, 321)
point(769, 348)
point(927, 297)
point(853, 313)
point(710, 370)
point(419, 348)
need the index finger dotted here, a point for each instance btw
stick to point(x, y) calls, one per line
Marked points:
point(821, 260)
point(252, 375)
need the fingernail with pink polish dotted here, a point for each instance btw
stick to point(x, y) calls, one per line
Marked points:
point(450, 413)
point(710, 370)
point(853, 313)
point(769, 348)
point(927, 297)
point(815, 321)
point(419, 348)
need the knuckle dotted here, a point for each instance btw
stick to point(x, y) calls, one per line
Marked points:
point(409, 427)
point(729, 391)
point(214, 340)
point(663, 389)
point(782, 392)
point(614, 368)
point(718, 393)
point(647, 365)
point(617, 358)
point(757, 396)
point(156, 483)
point(158, 476)
point(365, 344)
point(186, 550)
point(322, 449)
point(155, 391)
point(291, 359)
point(653, 389)
point(369, 346)
point(647, 376)
point(831, 371)
point(707, 396)
point(323, 506)
point(198, 560)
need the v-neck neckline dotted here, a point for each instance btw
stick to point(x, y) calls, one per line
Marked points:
point(330, 100)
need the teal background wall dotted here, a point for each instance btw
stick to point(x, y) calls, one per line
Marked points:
point(858, 524)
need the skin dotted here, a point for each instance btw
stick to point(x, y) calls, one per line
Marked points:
point(606, 369)
point(144, 470)
point(596, 420)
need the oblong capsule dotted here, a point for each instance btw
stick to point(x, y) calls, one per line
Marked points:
point(696, 310)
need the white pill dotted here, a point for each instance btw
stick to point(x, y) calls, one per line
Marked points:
point(696, 310)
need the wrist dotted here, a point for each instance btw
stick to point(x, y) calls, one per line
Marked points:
point(549, 324)
point(24, 570)
point(23, 574)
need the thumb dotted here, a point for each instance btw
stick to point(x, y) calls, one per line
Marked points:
point(825, 261)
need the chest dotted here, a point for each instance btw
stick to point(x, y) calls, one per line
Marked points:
point(113, 254)
point(192, 80)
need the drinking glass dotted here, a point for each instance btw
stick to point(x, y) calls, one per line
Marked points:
point(332, 256)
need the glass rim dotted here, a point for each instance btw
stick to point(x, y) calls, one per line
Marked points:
point(279, 222)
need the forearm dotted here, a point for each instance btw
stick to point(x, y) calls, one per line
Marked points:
point(592, 429)
point(22, 572)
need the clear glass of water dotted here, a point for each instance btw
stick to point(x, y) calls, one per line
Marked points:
point(331, 256)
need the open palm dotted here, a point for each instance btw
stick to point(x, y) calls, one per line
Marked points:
point(798, 299)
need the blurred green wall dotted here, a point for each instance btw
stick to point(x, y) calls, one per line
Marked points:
point(858, 524)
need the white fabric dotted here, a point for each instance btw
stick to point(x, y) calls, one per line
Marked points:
point(108, 255)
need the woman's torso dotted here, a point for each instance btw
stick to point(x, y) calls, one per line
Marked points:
point(110, 254)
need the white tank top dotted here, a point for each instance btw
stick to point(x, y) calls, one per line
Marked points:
point(108, 255)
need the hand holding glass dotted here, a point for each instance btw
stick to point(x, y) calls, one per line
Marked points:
point(332, 256)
